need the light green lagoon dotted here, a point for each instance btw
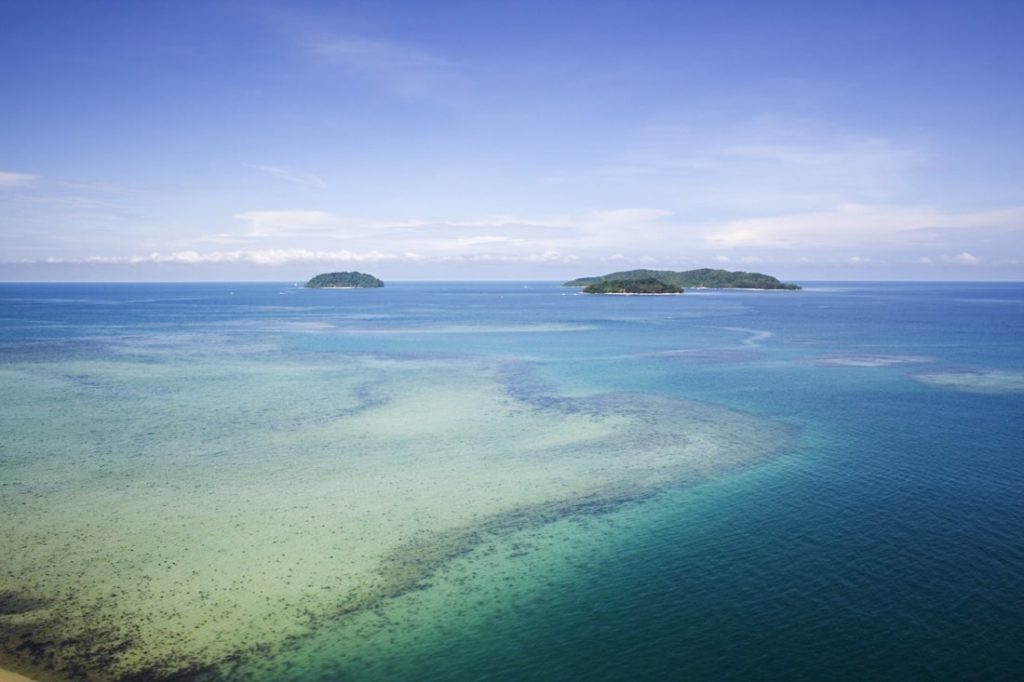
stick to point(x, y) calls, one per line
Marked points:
point(202, 504)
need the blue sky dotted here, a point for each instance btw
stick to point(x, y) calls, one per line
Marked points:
point(489, 140)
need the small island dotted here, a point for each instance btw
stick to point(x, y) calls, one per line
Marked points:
point(344, 280)
point(647, 286)
point(704, 278)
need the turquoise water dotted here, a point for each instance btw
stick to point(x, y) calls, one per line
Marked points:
point(512, 481)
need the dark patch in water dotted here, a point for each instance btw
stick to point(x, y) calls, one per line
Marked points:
point(15, 602)
point(192, 673)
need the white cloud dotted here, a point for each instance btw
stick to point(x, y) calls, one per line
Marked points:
point(856, 224)
point(765, 165)
point(274, 257)
point(488, 221)
point(595, 219)
point(624, 216)
point(222, 238)
point(12, 180)
point(294, 176)
point(963, 258)
point(875, 234)
point(275, 223)
point(481, 240)
point(405, 69)
point(256, 257)
point(596, 231)
point(848, 157)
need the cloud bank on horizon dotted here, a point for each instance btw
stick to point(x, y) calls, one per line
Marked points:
point(441, 140)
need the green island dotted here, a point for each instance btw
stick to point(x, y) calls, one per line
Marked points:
point(648, 286)
point(703, 278)
point(344, 280)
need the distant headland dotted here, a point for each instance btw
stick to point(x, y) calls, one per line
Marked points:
point(344, 280)
point(704, 278)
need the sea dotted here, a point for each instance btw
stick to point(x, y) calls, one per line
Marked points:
point(511, 481)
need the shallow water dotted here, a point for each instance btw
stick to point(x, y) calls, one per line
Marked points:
point(442, 481)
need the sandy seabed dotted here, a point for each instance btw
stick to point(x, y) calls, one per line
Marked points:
point(975, 381)
point(8, 676)
point(185, 518)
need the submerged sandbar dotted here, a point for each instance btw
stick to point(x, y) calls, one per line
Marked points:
point(181, 520)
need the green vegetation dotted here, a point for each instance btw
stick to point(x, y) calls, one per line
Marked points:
point(702, 278)
point(344, 280)
point(648, 285)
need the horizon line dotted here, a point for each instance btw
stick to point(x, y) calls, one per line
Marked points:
point(482, 281)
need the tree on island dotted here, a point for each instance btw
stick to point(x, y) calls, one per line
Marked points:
point(703, 278)
point(344, 280)
point(632, 286)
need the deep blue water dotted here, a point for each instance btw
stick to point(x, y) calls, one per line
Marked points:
point(889, 543)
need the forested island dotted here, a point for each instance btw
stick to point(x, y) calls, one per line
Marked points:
point(648, 285)
point(704, 278)
point(344, 280)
